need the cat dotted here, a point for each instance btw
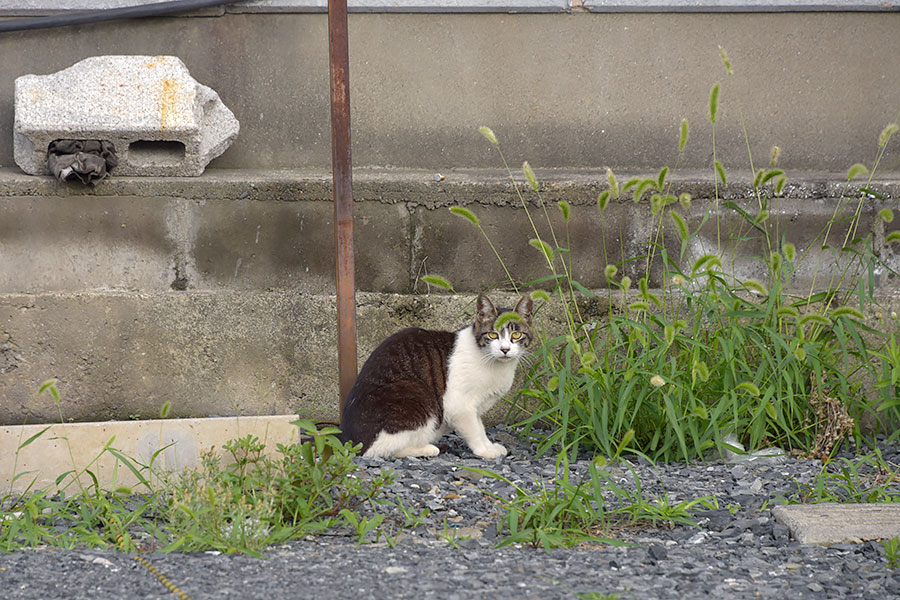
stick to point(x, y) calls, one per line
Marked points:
point(419, 384)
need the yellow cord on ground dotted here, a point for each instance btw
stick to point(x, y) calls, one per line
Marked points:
point(163, 579)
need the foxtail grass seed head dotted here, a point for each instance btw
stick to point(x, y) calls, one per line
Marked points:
point(588, 358)
point(725, 60)
point(610, 272)
point(603, 200)
point(467, 214)
point(790, 251)
point(748, 387)
point(720, 171)
point(886, 215)
point(800, 353)
point(164, 411)
point(683, 138)
point(773, 159)
point(757, 180)
point(669, 333)
point(680, 225)
point(438, 281)
point(529, 175)
point(489, 134)
point(761, 216)
point(657, 381)
point(661, 178)
point(787, 311)
point(644, 285)
point(857, 170)
point(756, 286)
point(713, 103)
point(779, 185)
point(886, 134)
point(685, 200)
point(506, 318)
point(543, 247)
point(849, 311)
point(656, 204)
point(700, 371)
point(613, 183)
point(775, 261)
point(626, 283)
point(894, 315)
point(679, 280)
point(540, 295)
point(565, 209)
point(892, 238)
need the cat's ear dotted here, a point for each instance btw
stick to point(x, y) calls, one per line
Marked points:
point(486, 311)
point(524, 308)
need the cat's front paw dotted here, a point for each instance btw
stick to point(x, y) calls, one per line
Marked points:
point(492, 451)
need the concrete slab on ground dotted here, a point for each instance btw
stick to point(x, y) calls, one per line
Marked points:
point(836, 523)
point(35, 456)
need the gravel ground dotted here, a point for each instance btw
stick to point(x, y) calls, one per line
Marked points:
point(734, 551)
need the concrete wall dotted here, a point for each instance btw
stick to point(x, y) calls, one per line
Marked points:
point(562, 90)
point(215, 293)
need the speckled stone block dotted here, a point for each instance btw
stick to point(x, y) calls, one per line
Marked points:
point(161, 120)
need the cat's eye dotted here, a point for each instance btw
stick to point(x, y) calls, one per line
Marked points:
point(493, 335)
point(517, 335)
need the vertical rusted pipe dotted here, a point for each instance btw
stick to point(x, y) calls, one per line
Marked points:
point(339, 61)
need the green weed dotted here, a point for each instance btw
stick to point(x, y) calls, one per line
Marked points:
point(690, 351)
point(242, 504)
point(863, 479)
point(892, 551)
point(563, 513)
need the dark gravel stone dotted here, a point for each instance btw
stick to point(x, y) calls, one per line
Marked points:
point(735, 551)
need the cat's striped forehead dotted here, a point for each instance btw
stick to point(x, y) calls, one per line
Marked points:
point(517, 330)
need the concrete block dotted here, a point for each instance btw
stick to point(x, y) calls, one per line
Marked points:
point(833, 523)
point(161, 120)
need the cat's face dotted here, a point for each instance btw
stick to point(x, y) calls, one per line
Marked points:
point(509, 342)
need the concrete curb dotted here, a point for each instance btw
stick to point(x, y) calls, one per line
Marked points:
point(833, 523)
point(170, 445)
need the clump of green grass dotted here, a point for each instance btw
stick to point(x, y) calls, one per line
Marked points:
point(691, 352)
point(867, 478)
point(592, 510)
point(255, 501)
point(242, 504)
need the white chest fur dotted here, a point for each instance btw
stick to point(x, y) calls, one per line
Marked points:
point(475, 381)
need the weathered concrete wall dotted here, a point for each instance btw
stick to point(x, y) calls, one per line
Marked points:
point(215, 292)
point(561, 90)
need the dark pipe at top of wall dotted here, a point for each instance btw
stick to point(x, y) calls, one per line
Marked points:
point(79, 17)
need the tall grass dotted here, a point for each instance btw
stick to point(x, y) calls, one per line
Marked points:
point(705, 353)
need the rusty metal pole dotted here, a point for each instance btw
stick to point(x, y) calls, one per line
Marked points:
point(339, 60)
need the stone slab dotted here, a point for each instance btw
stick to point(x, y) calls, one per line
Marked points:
point(64, 447)
point(160, 119)
point(834, 523)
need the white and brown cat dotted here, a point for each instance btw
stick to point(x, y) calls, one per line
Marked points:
point(419, 384)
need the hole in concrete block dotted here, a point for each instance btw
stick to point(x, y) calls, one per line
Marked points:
point(147, 153)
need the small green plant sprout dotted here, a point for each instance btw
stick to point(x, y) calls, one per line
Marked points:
point(892, 552)
point(450, 534)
